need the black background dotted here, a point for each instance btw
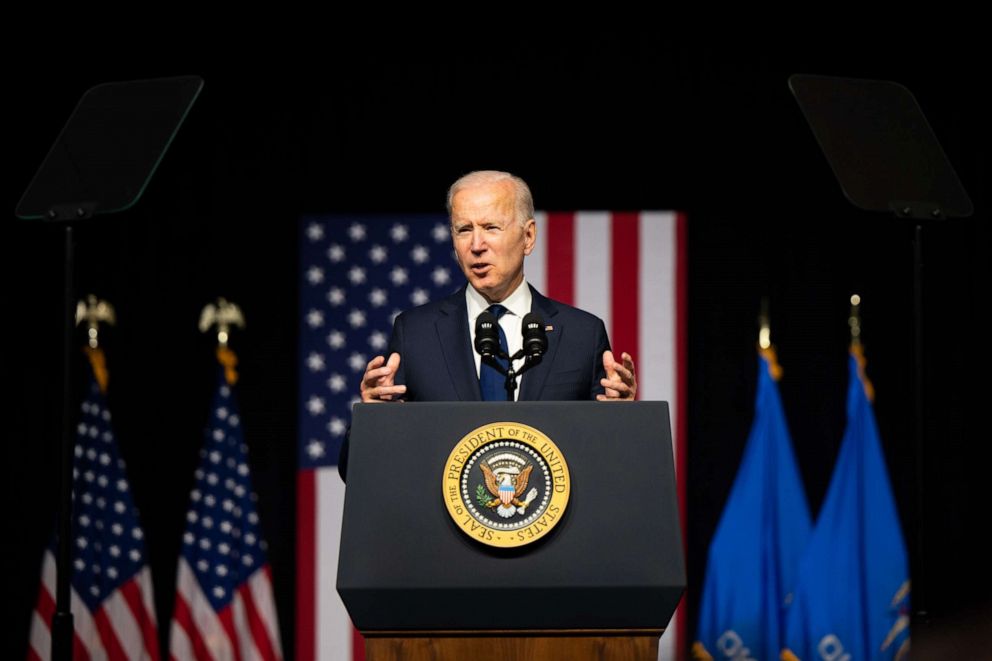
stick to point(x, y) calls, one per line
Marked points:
point(620, 121)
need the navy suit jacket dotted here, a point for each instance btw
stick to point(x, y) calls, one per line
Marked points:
point(437, 360)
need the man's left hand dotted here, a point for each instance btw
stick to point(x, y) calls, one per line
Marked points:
point(620, 381)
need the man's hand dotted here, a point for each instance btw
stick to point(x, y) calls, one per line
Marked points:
point(378, 382)
point(620, 381)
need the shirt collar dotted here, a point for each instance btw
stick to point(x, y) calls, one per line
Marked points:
point(518, 303)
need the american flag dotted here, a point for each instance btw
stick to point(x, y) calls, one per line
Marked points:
point(224, 603)
point(359, 272)
point(111, 603)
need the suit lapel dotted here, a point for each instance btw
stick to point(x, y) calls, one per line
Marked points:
point(456, 345)
point(532, 382)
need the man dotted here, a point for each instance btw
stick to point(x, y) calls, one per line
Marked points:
point(431, 354)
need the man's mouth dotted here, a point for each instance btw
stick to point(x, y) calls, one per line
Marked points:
point(480, 269)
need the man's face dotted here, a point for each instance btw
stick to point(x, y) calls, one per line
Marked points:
point(490, 243)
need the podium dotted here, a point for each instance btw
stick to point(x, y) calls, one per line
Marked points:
point(441, 559)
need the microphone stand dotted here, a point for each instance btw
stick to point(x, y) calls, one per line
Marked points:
point(510, 383)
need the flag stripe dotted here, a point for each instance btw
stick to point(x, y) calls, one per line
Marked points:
point(536, 264)
point(226, 619)
point(559, 249)
point(203, 620)
point(129, 621)
point(264, 604)
point(624, 290)
point(592, 266)
point(334, 635)
point(243, 635)
point(306, 549)
point(108, 636)
point(186, 634)
point(259, 632)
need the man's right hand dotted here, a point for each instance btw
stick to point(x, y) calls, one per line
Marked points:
point(378, 382)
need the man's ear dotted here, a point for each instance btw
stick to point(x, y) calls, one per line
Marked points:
point(530, 236)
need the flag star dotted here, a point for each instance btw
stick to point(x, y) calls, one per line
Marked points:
point(315, 405)
point(356, 318)
point(96, 568)
point(207, 522)
point(315, 275)
point(315, 232)
point(354, 400)
point(336, 383)
point(203, 566)
point(356, 232)
point(111, 572)
point(221, 570)
point(419, 296)
point(399, 233)
point(134, 554)
point(215, 457)
point(225, 527)
point(188, 538)
point(356, 275)
point(247, 560)
point(398, 276)
point(335, 339)
point(122, 485)
point(101, 502)
point(243, 469)
point(107, 437)
point(191, 516)
point(102, 480)
point(218, 435)
point(441, 276)
point(335, 296)
point(91, 454)
point(315, 449)
point(196, 495)
point(117, 529)
point(212, 478)
point(336, 426)
point(378, 297)
point(315, 318)
point(105, 459)
point(357, 361)
point(395, 313)
point(335, 253)
point(419, 254)
point(223, 548)
point(440, 233)
point(378, 254)
point(315, 362)
point(225, 392)
point(119, 507)
point(219, 592)
point(95, 591)
point(105, 414)
point(252, 518)
point(231, 463)
point(377, 340)
point(205, 544)
point(234, 420)
point(86, 407)
point(75, 473)
point(94, 432)
point(210, 501)
point(239, 491)
point(228, 505)
point(249, 539)
point(79, 564)
point(81, 430)
point(230, 484)
point(84, 520)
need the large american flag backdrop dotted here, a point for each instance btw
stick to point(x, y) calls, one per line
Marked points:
point(359, 272)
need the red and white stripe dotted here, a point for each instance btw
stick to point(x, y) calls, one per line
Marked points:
point(123, 627)
point(246, 629)
point(629, 269)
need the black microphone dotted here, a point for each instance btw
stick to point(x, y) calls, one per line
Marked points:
point(487, 334)
point(535, 337)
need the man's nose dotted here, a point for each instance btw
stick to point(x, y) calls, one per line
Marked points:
point(478, 240)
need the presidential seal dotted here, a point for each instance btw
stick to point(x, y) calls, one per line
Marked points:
point(506, 484)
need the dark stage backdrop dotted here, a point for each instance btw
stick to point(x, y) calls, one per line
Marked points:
point(617, 123)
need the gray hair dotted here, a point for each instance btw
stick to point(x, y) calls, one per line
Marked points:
point(523, 200)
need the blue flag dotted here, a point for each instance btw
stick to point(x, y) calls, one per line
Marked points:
point(852, 598)
point(755, 553)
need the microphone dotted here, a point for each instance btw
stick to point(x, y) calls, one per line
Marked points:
point(535, 337)
point(487, 335)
